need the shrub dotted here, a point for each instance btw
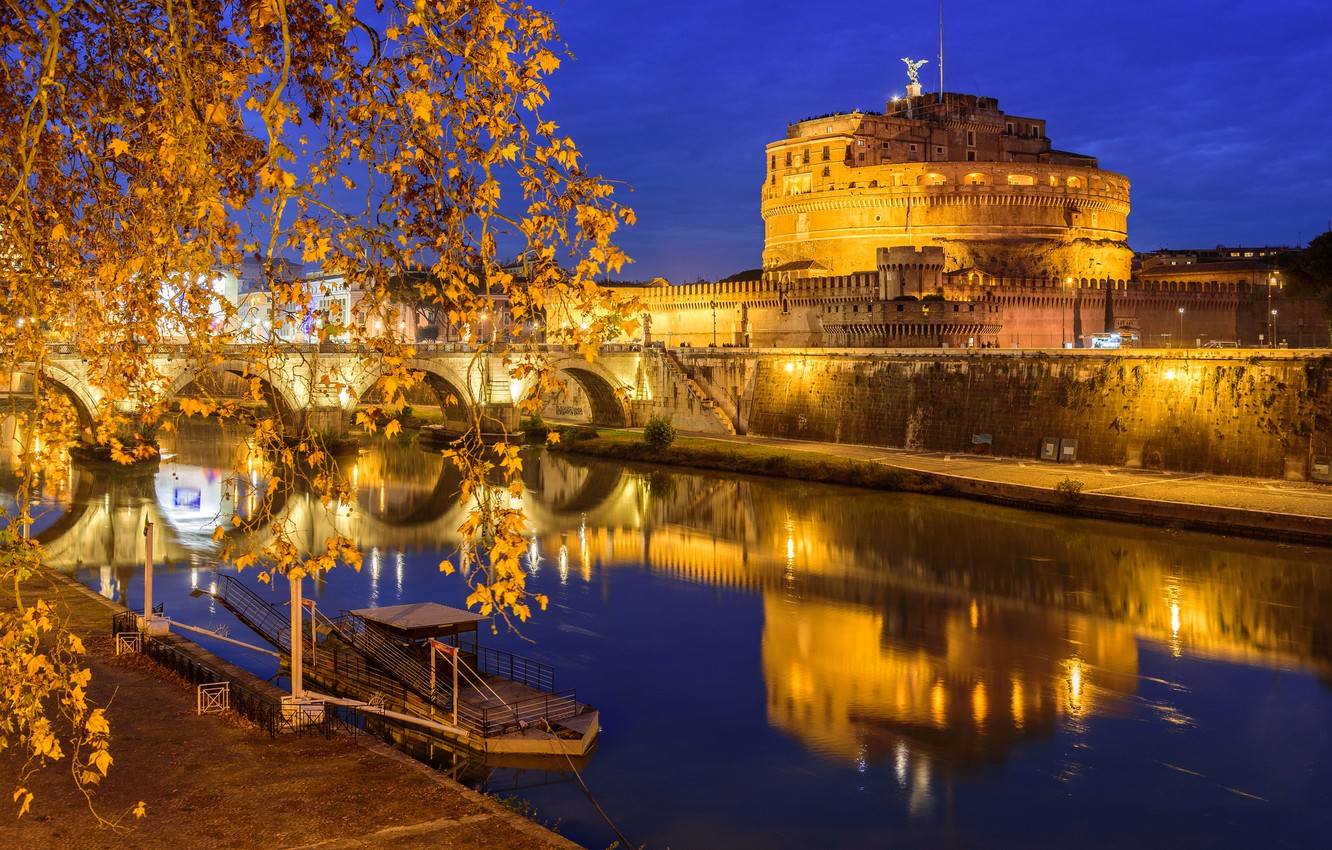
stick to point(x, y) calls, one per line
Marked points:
point(1070, 489)
point(534, 428)
point(659, 433)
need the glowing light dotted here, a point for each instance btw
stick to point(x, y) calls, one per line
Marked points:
point(564, 564)
point(1075, 685)
point(790, 367)
point(1018, 704)
point(975, 615)
point(938, 705)
point(343, 396)
point(900, 763)
point(980, 703)
point(1170, 374)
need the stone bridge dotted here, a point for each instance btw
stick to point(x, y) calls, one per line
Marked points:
point(320, 385)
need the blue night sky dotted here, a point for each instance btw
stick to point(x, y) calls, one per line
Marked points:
point(1219, 113)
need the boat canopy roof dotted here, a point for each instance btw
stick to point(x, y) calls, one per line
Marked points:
point(421, 620)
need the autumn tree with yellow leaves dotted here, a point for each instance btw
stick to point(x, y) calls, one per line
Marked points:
point(147, 144)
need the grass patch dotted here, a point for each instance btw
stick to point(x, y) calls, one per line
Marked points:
point(749, 459)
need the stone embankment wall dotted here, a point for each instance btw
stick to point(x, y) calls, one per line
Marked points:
point(1236, 412)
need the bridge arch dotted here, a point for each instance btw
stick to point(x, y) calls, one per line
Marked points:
point(599, 385)
point(280, 394)
point(85, 398)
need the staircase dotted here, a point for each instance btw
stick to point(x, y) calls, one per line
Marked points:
point(250, 608)
point(409, 670)
point(705, 401)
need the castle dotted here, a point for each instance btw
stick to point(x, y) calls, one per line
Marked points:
point(952, 171)
point(945, 222)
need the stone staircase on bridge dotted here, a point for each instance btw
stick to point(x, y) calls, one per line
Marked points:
point(681, 375)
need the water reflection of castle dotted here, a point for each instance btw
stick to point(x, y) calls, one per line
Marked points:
point(934, 632)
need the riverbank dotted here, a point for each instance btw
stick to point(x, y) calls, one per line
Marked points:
point(219, 781)
point(1291, 511)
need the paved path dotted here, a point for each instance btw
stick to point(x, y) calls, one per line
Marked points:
point(217, 782)
point(1294, 510)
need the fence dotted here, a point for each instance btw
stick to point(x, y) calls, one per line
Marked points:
point(261, 709)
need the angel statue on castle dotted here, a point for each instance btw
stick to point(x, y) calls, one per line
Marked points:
point(913, 69)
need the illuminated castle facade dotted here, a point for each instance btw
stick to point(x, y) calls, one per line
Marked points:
point(951, 171)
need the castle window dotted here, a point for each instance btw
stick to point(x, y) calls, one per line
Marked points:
point(899, 308)
point(772, 164)
point(911, 148)
point(938, 150)
point(860, 143)
point(971, 138)
point(1010, 128)
point(788, 159)
point(1076, 183)
point(971, 156)
point(860, 157)
point(1021, 180)
point(825, 153)
point(826, 171)
point(978, 178)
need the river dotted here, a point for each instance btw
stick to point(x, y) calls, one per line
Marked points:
point(787, 665)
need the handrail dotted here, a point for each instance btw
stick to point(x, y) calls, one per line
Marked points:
point(252, 610)
point(412, 672)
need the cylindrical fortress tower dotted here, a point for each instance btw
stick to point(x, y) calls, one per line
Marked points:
point(952, 172)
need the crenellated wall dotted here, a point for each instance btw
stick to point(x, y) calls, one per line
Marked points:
point(842, 310)
point(1221, 412)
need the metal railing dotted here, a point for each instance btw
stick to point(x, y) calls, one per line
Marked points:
point(515, 668)
point(252, 610)
point(411, 671)
point(261, 709)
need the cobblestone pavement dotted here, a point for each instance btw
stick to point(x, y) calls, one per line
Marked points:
point(217, 782)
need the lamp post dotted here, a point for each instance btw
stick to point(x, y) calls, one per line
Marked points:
point(1271, 322)
point(1063, 328)
point(714, 323)
point(1181, 327)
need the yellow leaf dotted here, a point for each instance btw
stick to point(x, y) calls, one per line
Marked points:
point(118, 147)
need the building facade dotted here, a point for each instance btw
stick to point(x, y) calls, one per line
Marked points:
point(951, 171)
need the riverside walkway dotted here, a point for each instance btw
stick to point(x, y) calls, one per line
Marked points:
point(216, 781)
point(1295, 511)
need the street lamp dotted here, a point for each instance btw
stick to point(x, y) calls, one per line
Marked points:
point(1271, 329)
point(1181, 327)
point(714, 323)
point(1063, 329)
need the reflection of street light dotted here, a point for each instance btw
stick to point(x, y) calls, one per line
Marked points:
point(1181, 327)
